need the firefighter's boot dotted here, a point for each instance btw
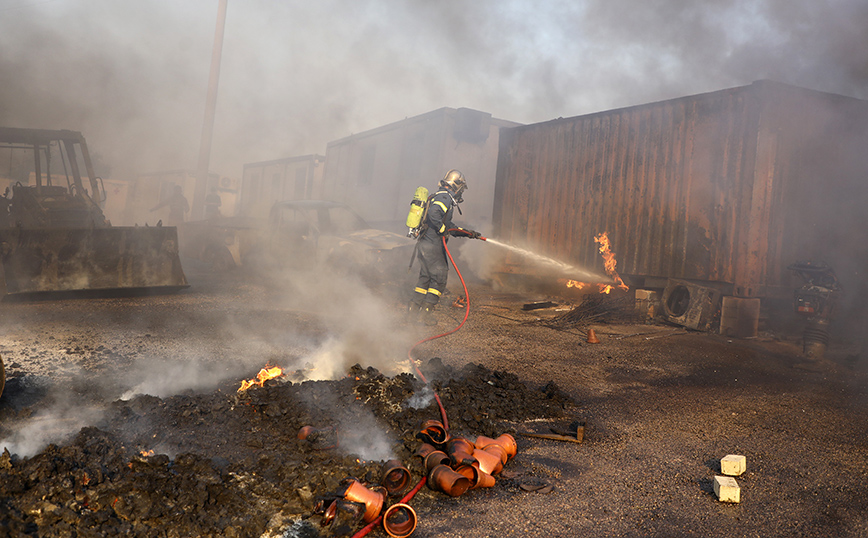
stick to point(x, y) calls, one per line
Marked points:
point(426, 316)
point(413, 310)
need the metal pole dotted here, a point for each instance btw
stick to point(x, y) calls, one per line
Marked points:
point(198, 206)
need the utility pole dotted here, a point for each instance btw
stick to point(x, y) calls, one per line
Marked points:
point(198, 207)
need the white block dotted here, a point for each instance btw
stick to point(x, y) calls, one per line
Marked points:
point(733, 465)
point(726, 489)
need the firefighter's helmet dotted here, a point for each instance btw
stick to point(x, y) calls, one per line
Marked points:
point(455, 182)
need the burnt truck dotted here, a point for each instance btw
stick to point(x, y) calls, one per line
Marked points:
point(54, 238)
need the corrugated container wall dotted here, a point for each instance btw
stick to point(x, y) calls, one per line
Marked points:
point(728, 187)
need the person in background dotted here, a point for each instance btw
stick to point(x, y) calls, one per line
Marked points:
point(212, 204)
point(178, 206)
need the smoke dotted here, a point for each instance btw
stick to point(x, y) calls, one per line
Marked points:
point(49, 426)
point(294, 76)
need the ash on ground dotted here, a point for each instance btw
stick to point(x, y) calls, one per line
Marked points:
point(230, 463)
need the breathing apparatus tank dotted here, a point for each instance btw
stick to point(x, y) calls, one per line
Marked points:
point(417, 211)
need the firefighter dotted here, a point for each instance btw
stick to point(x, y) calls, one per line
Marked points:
point(430, 247)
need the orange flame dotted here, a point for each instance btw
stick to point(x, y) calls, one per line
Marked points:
point(609, 261)
point(147, 453)
point(269, 372)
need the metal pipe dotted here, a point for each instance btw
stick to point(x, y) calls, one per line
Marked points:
point(198, 205)
point(399, 520)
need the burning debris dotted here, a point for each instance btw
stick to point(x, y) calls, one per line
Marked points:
point(609, 263)
point(235, 464)
point(594, 309)
point(269, 372)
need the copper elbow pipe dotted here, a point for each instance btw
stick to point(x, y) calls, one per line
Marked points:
point(506, 441)
point(444, 479)
point(399, 520)
point(372, 500)
point(395, 477)
point(434, 432)
point(478, 478)
point(435, 458)
point(488, 462)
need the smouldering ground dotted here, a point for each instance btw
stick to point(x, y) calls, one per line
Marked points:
point(662, 406)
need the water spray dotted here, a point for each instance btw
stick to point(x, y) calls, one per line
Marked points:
point(560, 266)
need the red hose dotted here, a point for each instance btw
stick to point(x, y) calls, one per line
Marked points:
point(420, 342)
point(367, 528)
point(412, 493)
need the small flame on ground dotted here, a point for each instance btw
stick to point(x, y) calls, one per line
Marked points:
point(147, 453)
point(269, 372)
point(609, 263)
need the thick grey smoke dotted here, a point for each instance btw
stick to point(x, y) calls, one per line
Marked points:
point(132, 75)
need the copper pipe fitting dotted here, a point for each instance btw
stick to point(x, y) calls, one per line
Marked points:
point(306, 432)
point(488, 462)
point(506, 441)
point(478, 479)
point(395, 477)
point(443, 478)
point(460, 450)
point(433, 432)
point(372, 500)
point(399, 520)
point(435, 458)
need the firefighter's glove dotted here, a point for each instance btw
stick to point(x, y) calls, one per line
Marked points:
point(472, 234)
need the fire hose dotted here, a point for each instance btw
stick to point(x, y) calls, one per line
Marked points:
point(367, 528)
point(447, 333)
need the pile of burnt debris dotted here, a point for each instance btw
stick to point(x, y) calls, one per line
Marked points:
point(279, 459)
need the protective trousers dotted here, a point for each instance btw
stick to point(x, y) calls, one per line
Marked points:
point(432, 273)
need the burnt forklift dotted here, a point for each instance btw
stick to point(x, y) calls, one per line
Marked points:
point(55, 241)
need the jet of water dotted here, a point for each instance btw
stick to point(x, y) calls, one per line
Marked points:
point(571, 271)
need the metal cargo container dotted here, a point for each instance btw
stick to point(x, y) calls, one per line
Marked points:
point(376, 171)
point(290, 178)
point(726, 188)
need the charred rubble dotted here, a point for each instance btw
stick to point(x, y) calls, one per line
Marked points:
point(233, 464)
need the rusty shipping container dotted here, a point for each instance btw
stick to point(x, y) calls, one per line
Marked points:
point(725, 188)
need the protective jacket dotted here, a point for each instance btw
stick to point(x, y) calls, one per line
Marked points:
point(432, 255)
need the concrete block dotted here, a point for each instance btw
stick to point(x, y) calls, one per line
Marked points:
point(733, 465)
point(646, 303)
point(726, 489)
point(739, 317)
